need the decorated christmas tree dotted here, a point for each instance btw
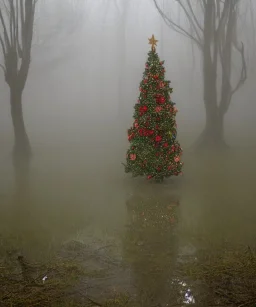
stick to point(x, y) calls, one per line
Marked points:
point(154, 151)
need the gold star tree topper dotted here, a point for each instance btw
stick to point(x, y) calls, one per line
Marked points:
point(153, 42)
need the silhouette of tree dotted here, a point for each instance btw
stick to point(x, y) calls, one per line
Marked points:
point(213, 28)
point(17, 20)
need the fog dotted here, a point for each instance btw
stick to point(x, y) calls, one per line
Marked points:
point(87, 61)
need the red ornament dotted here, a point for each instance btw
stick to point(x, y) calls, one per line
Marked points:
point(165, 144)
point(141, 132)
point(158, 109)
point(145, 132)
point(149, 176)
point(160, 99)
point(155, 77)
point(161, 84)
point(130, 136)
point(143, 109)
point(158, 138)
point(132, 157)
point(177, 159)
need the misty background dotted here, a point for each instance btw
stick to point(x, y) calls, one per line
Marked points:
point(80, 51)
point(87, 60)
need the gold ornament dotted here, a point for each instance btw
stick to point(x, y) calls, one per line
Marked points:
point(170, 134)
point(153, 42)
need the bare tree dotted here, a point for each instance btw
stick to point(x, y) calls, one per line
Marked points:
point(121, 59)
point(215, 35)
point(16, 20)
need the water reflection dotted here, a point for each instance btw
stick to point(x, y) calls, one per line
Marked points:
point(185, 292)
point(217, 200)
point(151, 246)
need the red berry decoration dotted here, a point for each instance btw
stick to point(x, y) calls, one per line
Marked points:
point(154, 151)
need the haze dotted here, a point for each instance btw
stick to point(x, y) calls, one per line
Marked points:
point(87, 61)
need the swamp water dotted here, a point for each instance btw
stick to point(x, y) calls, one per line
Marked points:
point(89, 238)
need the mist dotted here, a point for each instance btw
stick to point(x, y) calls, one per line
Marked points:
point(87, 61)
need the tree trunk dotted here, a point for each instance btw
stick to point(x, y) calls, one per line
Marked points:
point(212, 136)
point(213, 133)
point(214, 129)
point(21, 150)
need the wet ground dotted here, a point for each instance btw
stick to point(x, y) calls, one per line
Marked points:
point(133, 237)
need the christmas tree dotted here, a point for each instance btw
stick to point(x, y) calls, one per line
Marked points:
point(154, 151)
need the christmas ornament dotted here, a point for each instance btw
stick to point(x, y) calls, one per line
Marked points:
point(160, 99)
point(143, 109)
point(158, 109)
point(161, 84)
point(154, 151)
point(177, 159)
point(153, 42)
point(132, 157)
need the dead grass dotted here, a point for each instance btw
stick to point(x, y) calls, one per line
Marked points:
point(227, 276)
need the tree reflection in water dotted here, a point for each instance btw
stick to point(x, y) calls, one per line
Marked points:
point(151, 246)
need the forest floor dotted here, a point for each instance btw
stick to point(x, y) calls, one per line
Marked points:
point(83, 274)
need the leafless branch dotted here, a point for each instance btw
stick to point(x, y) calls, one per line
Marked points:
point(225, 44)
point(16, 38)
point(217, 41)
point(6, 8)
point(177, 28)
point(3, 46)
point(3, 68)
point(192, 22)
point(194, 16)
point(243, 74)
point(202, 4)
point(6, 37)
point(222, 20)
